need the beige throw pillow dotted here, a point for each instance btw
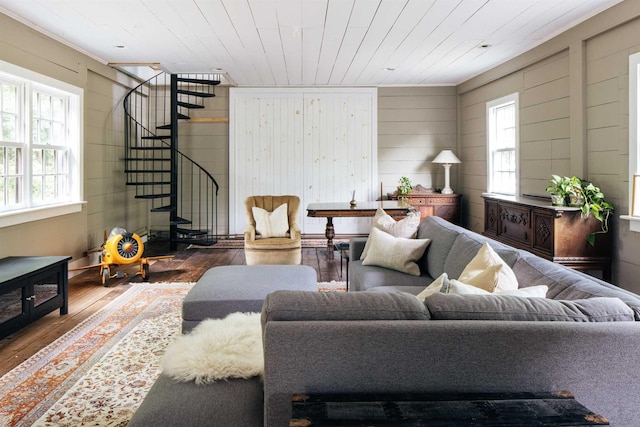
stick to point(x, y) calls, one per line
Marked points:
point(496, 279)
point(406, 227)
point(434, 287)
point(396, 253)
point(271, 224)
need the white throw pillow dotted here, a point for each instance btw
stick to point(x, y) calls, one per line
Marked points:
point(396, 253)
point(457, 287)
point(434, 287)
point(406, 227)
point(484, 259)
point(538, 291)
point(271, 224)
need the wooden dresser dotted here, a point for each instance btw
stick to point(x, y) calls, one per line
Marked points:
point(556, 233)
point(446, 206)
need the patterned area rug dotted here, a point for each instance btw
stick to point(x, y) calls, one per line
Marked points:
point(98, 373)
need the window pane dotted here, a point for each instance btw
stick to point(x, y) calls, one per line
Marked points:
point(49, 162)
point(14, 159)
point(45, 132)
point(36, 163)
point(57, 134)
point(9, 127)
point(35, 126)
point(57, 105)
point(9, 98)
point(36, 188)
point(13, 190)
point(49, 187)
point(45, 106)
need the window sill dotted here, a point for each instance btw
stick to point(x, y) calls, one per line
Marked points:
point(8, 219)
point(634, 222)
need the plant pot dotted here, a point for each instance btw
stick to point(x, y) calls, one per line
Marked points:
point(557, 200)
point(576, 200)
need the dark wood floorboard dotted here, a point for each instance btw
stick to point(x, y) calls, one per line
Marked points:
point(87, 295)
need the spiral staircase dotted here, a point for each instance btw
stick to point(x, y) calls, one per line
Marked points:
point(176, 186)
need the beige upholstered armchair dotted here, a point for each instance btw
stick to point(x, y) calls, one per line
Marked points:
point(272, 236)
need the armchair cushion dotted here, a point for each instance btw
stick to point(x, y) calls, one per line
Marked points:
point(271, 224)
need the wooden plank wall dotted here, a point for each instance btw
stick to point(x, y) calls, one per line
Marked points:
point(318, 144)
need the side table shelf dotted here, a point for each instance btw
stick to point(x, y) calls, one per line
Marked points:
point(30, 288)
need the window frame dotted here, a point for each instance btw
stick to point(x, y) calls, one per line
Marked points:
point(29, 210)
point(491, 108)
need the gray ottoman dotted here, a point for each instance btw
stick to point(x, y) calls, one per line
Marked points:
point(232, 288)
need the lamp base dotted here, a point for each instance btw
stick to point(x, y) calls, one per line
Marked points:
point(446, 191)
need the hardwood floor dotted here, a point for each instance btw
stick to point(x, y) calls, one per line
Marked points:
point(87, 295)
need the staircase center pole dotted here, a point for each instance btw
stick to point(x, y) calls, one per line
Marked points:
point(173, 215)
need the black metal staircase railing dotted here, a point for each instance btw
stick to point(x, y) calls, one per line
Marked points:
point(174, 183)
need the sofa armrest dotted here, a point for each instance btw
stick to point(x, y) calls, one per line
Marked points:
point(356, 246)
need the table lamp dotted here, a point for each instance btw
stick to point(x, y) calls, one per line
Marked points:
point(447, 158)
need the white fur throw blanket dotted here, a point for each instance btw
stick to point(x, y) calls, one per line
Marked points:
point(217, 349)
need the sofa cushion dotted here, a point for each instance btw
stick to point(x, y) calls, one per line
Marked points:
point(442, 235)
point(406, 227)
point(363, 278)
point(467, 246)
point(567, 284)
point(488, 271)
point(396, 253)
point(509, 307)
point(302, 305)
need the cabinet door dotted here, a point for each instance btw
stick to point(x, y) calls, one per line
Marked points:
point(46, 292)
point(515, 223)
point(491, 217)
point(13, 310)
point(543, 229)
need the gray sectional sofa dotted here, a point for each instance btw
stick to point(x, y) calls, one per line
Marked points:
point(584, 338)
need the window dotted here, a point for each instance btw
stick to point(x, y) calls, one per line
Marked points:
point(40, 160)
point(502, 145)
point(634, 142)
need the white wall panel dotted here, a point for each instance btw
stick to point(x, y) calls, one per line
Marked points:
point(319, 144)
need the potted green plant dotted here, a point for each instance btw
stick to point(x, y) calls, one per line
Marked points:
point(577, 192)
point(404, 187)
point(561, 188)
point(593, 203)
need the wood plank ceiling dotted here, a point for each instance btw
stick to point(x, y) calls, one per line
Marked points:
point(308, 42)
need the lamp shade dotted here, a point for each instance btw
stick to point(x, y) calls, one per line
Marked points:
point(446, 156)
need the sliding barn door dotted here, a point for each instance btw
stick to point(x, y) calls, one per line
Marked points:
point(319, 144)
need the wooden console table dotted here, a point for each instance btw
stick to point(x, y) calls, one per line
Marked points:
point(441, 409)
point(556, 233)
point(446, 206)
point(397, 209)
point(31, 287)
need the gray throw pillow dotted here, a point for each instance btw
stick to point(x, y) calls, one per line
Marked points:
point(509, 307)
